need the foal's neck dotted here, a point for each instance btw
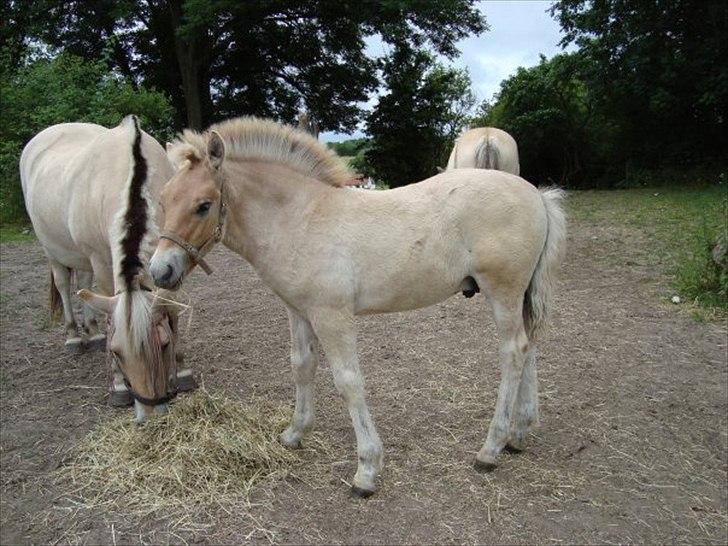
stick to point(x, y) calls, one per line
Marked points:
point(267, 203)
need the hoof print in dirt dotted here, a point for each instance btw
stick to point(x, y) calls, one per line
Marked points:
point(359, 493)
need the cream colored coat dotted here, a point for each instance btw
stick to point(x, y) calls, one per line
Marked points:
point(485, 148)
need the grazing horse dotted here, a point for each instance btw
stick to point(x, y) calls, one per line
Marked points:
point(275, 196)
point(485, 148)
point(87, 190)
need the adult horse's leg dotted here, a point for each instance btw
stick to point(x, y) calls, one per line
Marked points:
point(513, 347)
point(337, 335)
point(526, 412)
point(119, 395)
point(93, 340)
point(304, 361)
point(62, 279)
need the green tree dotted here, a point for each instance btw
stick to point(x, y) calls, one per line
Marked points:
point(413, 125)
point(219, 58)
point(549, 111)
point(658, 69)
point(65, 88)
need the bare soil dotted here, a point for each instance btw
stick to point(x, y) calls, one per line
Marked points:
point(633, 445)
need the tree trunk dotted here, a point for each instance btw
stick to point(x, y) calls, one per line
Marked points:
point(192, 58)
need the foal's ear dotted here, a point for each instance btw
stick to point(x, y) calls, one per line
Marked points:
point(215, 149)
point(103, 304)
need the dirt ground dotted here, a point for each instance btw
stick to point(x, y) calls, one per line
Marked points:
point(633, 445)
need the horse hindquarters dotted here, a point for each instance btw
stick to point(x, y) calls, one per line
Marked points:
point(520, 318)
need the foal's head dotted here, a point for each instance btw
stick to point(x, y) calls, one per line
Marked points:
point(141, 340)
point(193, 211)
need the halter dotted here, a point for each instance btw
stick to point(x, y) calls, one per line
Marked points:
point(171, 394)
point(196, 254)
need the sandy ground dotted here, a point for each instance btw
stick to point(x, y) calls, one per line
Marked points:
point(633, 445)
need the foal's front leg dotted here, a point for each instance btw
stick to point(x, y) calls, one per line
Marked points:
point(304, 362)
point(337, 335)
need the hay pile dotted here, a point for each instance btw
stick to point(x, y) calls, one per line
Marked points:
point(208, 450)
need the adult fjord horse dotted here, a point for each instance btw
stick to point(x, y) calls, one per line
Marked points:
point(485, 148)
point(87, 190)
point(332, 253)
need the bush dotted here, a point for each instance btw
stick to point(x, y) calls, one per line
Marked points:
point(47, 91)
point(699, 277)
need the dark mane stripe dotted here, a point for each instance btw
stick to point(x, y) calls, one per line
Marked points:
point(136, 215)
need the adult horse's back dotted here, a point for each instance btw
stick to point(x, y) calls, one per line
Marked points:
point(485, 148)
point(87, 191)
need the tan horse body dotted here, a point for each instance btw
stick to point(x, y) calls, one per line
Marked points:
point(331, 253)
point(76, 179)
point(485, 148)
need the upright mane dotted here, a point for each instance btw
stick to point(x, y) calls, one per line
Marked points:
point(250, 138)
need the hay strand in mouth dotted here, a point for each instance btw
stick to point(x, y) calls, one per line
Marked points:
point(207, 451)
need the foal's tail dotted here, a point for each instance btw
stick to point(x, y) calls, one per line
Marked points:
point(54, 300)
point(538, 296)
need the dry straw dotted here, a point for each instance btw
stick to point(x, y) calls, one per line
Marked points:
point(207, 451)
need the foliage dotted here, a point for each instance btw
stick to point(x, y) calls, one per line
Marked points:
point(680, 226)
point(348, 148)
point(656, 72)
point(549, 112)
point(65, 88)
point(220, 58)
point(414, 124)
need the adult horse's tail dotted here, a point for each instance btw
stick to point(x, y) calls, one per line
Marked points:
point(538, 296)
point(54, 300)
point(487, 154)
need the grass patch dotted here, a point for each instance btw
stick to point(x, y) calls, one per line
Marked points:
point(207, 452)
point(14, 233)
point(680, 224)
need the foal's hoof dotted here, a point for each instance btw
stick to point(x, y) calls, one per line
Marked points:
point(74, 345)
point(186, 382)
point(484, 468)
point(120, 399)
point(289, 440)
point(96, 343)
point(360, 493)
point(513, 448)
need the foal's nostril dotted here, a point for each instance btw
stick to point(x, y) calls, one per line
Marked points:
point(167, 274)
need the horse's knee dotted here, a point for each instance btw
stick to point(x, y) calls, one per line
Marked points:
point(349, 384)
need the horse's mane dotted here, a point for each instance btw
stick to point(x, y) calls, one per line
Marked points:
point(251, 138)
point(134, 231)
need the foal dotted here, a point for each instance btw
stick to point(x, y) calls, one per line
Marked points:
point(274, 195)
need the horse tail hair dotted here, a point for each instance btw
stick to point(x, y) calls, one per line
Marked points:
point(537, 301)
point(487, 155)
point(54, 300)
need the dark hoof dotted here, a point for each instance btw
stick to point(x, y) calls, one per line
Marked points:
point(482, 467)
point(120, 399)
point(74, 346)
point(186, 383)
point(512, 449)
point(96, 343)
point(361, 493)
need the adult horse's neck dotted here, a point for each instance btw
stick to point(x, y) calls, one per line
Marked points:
point(268, 206)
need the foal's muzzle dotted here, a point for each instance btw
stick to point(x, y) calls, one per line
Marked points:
point(168, 267)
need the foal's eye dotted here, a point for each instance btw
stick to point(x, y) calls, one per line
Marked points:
point(204, 208)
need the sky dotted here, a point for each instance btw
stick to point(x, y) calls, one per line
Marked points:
point(519, 32)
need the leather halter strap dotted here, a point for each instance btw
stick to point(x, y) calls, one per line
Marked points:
point(197, 254)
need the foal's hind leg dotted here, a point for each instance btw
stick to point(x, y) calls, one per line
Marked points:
point(526, 412)
point(304, 361)
point(513, 347)
point(62, 278)
point(93, 340)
